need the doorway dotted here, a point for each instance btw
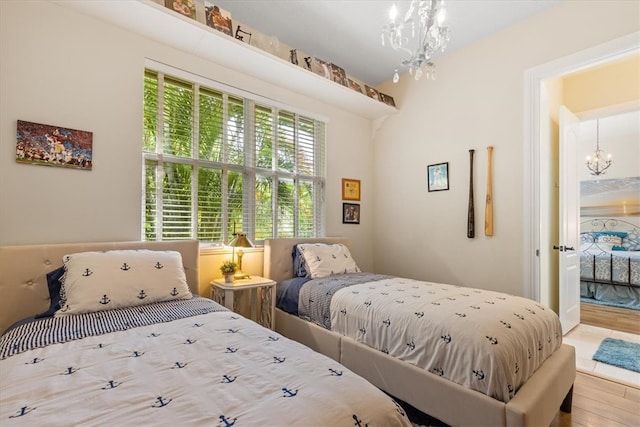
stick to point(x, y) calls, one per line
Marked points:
point(539, 232)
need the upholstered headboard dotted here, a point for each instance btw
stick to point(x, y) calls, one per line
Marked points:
point(23, 271)
point(278, 262)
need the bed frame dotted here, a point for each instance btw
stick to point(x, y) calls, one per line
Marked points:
point(536, 403)
point(598, 225)
point(23, 272)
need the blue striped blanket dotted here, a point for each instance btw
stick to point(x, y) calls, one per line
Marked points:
point(54, 330)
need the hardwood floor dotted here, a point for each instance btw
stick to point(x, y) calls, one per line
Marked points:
point(602, 403)
point(621, 319)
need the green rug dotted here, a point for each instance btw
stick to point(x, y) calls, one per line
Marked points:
point(620, 353)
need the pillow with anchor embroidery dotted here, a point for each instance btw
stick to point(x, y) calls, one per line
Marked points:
point(324, 260)
point(97, 281)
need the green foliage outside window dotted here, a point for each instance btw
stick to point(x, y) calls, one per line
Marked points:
point(216, 163)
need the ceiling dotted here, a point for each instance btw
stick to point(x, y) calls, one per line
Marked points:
point(348, 32)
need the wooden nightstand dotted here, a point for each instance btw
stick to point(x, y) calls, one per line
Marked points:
point(223, 293)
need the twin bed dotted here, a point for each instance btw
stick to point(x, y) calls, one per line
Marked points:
point(526, 390)
point(189, 361)
point(179, 360)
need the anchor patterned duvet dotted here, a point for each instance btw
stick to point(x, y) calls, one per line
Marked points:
point(208, 367)
point(487, 341)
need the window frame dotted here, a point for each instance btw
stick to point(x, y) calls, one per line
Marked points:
point(249, 169)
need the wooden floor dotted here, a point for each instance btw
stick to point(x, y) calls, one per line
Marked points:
point(601, 403)
point(620, 319)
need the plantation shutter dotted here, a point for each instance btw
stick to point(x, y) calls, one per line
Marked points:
point(216, 163)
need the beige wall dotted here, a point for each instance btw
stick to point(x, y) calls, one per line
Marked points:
point(62, 68)
point(610, 84)
point(477, 101)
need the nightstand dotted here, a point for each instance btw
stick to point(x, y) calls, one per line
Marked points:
point(267, 316)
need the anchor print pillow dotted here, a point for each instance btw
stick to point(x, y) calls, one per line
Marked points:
point(97, 281)
point(324, 260)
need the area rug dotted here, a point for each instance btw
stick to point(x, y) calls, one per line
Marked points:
point(620, 353)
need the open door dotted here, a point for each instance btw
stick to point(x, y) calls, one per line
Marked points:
point(569, 221)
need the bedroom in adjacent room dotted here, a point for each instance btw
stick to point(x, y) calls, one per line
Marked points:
point(610, 222)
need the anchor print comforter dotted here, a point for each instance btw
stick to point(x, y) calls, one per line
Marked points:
point(487, 341)
point(209, 367)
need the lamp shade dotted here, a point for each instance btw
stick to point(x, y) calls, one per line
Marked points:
point(240, 241)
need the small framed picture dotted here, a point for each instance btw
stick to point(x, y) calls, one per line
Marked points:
point(372, 92)
point(350, 213)
point(350, 189)
point(438, 177)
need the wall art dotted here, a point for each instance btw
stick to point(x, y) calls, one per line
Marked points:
point(48, 145)
point(350, 213)
point(438, 177)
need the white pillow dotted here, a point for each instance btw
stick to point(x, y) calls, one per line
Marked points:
point(324, 260)
point(97, 281)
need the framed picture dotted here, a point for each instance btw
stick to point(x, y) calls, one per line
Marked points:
point(350, 213)
point(372, 92)
point(350, 189)
point(438, 177)
point(387, 99)
point(183, 7)
point(354, 85)
point(218, 18)
point(48, 145)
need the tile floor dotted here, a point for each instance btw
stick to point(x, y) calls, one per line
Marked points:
point(586, 339)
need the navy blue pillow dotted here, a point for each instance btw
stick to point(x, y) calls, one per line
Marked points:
point(299, 265)
point(54, 284)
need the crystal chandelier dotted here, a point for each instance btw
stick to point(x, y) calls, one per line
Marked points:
point(597, 165)
point(421, 33)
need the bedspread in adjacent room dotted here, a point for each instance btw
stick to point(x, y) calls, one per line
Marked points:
point(197, 364)
point(488, 341)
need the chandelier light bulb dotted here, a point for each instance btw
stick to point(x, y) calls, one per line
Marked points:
point(393, 13)
point(396, 76)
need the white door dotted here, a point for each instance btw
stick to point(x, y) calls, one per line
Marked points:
point(569, 221)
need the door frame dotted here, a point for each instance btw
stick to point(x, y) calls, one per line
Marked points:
point(534, 78)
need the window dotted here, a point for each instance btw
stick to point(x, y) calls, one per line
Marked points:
point(215, 163)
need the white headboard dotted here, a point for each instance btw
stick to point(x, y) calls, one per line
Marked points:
point(278, 261)
point(23, 272)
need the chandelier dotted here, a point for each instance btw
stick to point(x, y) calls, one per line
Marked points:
point(597, 165)
point(420, 34)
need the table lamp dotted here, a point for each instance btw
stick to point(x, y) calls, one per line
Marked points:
point(239, 241)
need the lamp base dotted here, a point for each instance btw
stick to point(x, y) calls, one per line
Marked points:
point(240, 275)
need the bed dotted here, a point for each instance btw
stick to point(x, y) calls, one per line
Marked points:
point(184, 361)
point(610, 262)
point(535, 403)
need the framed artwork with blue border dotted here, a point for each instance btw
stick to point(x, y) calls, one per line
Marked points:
point(438, 177)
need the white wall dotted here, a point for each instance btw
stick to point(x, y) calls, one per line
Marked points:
point(65, 69)
point(619, 135)
point(478, 100)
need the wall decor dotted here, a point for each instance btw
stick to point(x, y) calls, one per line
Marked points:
point(387, 99)
point(372, 92)
point(338, 74)
point(218, 19)
point(488, 207)
point(350, 189)
point(183, 7)
point(350, 213)
point(354, 85)
point(471, 215)
point(48, 145)
point(438, 176)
